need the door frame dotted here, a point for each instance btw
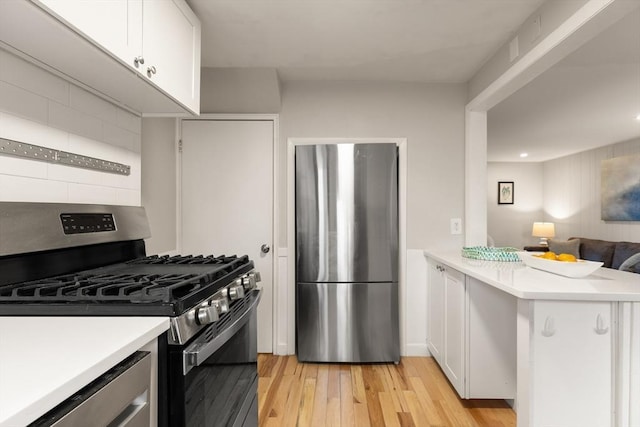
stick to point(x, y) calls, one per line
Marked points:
point(402, 232)
point(274, 118)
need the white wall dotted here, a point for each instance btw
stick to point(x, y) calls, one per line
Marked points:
point(572, 195)
point(510, 225)
point(159, 182)
point(39, 108)
point(239, 90)
point(430, 116)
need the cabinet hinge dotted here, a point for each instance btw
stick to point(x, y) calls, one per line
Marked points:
point(180, 146)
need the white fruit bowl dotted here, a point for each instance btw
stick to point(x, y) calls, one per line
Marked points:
point(581, 268)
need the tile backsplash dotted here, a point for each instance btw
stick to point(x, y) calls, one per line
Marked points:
point(38, 107)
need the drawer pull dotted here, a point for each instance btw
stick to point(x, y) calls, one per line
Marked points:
point(600, 328)
point(549, 329)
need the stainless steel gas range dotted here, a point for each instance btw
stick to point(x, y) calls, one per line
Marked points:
point(90, 260)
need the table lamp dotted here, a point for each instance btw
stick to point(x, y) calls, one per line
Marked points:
point(543, 230)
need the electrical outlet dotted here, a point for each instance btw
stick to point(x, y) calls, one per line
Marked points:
point(456, 226)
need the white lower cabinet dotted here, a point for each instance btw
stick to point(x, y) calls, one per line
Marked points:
point(454, 329)
point(571, 374)
point(492, 336)
point(471, 333)
point(435, 311)
point(446, 318)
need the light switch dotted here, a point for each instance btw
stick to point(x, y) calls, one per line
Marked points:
point(456, 226)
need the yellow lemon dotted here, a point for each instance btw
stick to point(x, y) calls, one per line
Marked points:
point(567, 258)
point(549, 255)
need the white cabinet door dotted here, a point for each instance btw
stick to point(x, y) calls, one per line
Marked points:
point(492, 342)
point(115, 25)
point(454, 328)
point(572, 354)
point(171, 50)
point(435, 313)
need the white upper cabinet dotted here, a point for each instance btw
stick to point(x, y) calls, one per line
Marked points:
point(115, 25)
point(171, 49)
point(141, 54)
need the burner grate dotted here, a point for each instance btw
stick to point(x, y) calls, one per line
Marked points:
point(171, 283)
point(190, 259)
point(122, 287)
point(152, 279)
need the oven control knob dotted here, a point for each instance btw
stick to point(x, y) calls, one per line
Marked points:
point(206, 315)
point(236, 292)
point(221, 305)
point(249, 281)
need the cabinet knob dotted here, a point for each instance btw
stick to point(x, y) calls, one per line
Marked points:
point(549, 329)
point(138, 60)
point(151, 70)
point(600, 328)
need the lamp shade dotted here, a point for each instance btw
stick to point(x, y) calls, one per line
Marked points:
point(543, 229)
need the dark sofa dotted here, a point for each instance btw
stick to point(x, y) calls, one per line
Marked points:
point(612, 254)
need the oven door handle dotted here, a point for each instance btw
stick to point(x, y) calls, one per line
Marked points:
point(201, 349)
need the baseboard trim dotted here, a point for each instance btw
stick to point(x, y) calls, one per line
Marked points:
point(417, 349)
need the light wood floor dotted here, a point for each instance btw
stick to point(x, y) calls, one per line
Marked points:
point(413, 393)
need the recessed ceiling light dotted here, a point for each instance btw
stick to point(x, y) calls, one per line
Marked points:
point(638, 117)
point(523, 155)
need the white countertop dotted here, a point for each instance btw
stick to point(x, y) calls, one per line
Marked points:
point(525, 282)
point(44, 360)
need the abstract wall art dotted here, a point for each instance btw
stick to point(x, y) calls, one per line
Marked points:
point(620, 191)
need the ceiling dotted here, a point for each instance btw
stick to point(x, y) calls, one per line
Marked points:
point(589, 99)
point(391, 40)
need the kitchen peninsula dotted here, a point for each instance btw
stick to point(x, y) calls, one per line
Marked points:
point(566, 350)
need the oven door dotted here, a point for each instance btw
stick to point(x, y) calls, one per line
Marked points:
point(213, 379)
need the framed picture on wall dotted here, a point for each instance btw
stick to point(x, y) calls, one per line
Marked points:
point(505, 192)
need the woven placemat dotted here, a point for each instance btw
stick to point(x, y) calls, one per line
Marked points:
point(491, 254)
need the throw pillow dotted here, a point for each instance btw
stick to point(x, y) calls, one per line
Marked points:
point(631, 264)
point(597, 250)
point(565, 247)
point(622, 251)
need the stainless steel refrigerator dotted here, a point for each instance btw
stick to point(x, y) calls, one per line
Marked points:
point(347, 253)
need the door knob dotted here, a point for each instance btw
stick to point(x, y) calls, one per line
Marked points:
point(265, 248)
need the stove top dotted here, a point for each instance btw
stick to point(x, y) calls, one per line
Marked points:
point(153, 285)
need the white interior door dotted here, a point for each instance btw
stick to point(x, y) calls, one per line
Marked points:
point(227, 198)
